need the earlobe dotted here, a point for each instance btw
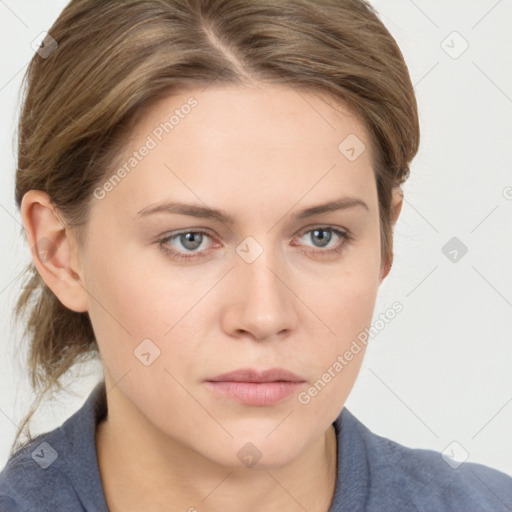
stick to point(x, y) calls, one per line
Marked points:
point(385, 269)
point(396, 208)
point(52, 247)
point(397, 202)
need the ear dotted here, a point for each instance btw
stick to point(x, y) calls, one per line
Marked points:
point(53, 248)
point(396, 208)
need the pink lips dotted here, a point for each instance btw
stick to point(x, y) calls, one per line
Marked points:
point(253, 387)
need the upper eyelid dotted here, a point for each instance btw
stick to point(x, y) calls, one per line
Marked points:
point(341, 232)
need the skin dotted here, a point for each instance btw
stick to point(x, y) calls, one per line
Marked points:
point(168, 439)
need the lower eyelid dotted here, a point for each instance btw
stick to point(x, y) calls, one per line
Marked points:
point(338, 232)
point(343, 235)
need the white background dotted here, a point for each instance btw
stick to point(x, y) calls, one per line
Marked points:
point(441, 370)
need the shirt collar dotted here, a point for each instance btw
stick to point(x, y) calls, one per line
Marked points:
point(82, 463)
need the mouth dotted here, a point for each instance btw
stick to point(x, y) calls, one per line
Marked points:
point(254, 387)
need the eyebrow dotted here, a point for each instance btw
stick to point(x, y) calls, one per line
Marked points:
point(202, 212)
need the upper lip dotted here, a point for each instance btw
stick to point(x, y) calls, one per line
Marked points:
point(252, 375)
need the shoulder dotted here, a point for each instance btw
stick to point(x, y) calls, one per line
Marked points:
point(434, 484)
point(425, 480)
point(7, 504)
point(33, 476)
point(58, 470)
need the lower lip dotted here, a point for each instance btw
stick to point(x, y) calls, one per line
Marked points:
point(255, 393)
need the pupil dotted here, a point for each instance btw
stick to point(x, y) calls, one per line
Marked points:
point(324, 239)
point(189, 237)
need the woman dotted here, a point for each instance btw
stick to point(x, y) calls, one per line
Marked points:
point(209, 189)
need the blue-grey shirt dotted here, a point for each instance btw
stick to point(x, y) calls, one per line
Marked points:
point(58, 472)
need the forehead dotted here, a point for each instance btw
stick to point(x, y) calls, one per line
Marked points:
point(249, 115)
point(226, 140)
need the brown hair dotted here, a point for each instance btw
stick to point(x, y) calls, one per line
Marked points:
point(113, 57)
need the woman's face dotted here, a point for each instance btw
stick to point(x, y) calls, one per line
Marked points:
point(270, 289)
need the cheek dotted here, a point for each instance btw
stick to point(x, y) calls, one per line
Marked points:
point(351, 308)
point(129, 291)
point(132, 302)
point(335, 348)
point(343, 304)
point(343, 296)
point(176, 307)
point(327, 392)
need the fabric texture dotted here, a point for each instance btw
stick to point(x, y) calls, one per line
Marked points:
point(58, 472)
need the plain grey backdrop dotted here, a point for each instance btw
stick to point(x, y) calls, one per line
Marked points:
point(439, 374)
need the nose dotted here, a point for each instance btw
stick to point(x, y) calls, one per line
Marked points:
point(262, 303)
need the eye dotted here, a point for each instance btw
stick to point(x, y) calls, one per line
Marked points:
point(323, 236)
point(193, 247)
point(190, 241)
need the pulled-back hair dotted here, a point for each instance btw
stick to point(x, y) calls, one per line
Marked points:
point(114, 56)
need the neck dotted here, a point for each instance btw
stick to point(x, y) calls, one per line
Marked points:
point(143, 469)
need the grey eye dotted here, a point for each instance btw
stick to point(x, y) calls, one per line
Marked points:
point(191, 240)
point(324, 239)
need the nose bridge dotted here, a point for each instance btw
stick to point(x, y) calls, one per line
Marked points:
point(258, 264)
point(264, 302)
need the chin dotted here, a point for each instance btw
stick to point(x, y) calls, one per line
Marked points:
point(257, 452)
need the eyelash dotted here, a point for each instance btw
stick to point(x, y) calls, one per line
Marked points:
point(177, 255)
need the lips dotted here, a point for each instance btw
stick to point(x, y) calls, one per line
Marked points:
point(252, 375)
point(256, 387)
